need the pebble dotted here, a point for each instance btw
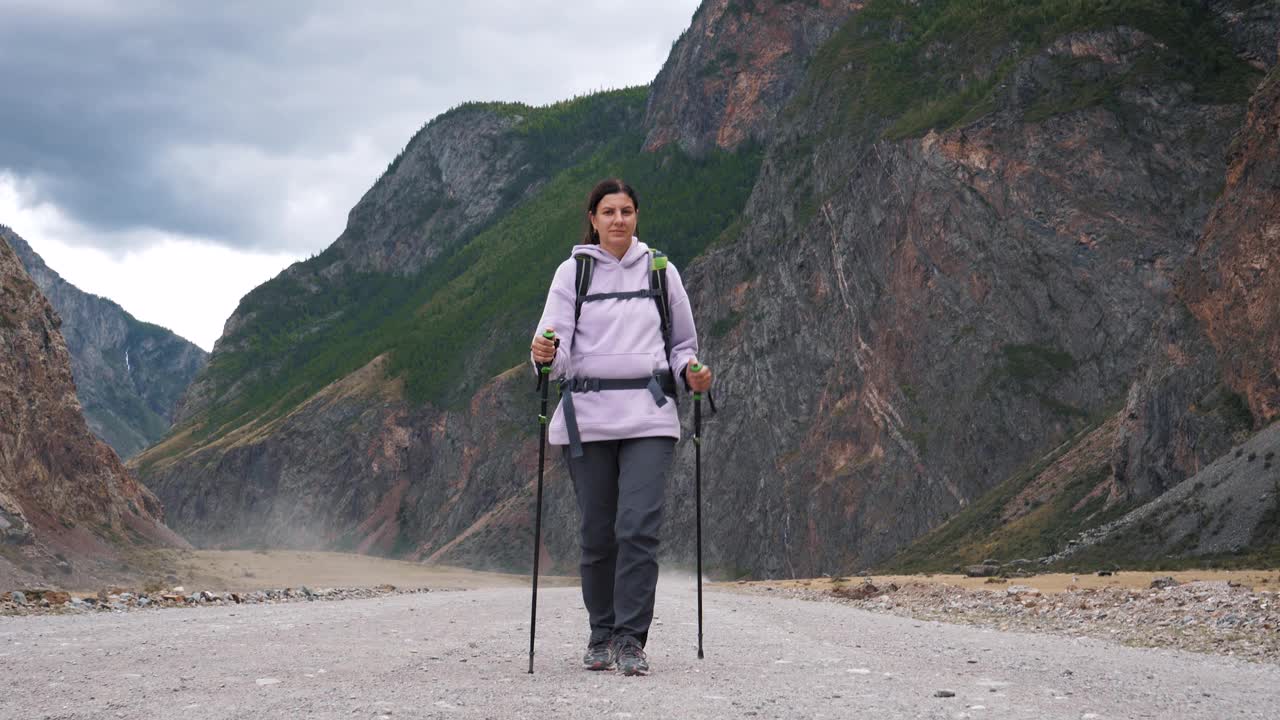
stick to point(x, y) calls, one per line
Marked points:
point(1208, 617)
point(178, 597)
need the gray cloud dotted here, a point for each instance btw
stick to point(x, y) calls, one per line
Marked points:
point(258, 124)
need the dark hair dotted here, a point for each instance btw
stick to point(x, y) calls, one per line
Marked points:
point(602, 188)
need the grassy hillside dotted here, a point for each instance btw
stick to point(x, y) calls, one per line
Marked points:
point(1041, 527)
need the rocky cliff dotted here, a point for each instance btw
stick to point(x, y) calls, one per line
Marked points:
point(1191, 426)
point(68, 509)
point(1232, 284)
point(1171, 477)
point(985, 242)
point(129, 374)
point(956, 271)
point(734, 69)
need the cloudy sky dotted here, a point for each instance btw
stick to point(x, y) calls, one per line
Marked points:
point(172, 156)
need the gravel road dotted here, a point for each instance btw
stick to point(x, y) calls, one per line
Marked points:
point(463, 654)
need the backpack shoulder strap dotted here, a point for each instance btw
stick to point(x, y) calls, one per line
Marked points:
point(658, 284)
point(581, 281)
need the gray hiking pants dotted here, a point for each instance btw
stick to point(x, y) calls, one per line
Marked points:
point(620, 486)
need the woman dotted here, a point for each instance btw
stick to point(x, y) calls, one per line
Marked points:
point(615, 419)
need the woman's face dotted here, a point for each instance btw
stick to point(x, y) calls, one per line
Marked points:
point(615, 218)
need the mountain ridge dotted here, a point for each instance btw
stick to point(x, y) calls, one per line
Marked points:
point(130, 375)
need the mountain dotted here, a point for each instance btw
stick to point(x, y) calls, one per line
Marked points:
point(937, 253)
point(129, 374)
point(69, 511)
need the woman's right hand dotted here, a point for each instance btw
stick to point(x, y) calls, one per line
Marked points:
point(544, 348)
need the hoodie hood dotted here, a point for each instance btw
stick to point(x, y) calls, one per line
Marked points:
point(635, 253)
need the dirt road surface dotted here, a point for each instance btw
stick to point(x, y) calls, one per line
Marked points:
point(245, 570)
point(463, 654)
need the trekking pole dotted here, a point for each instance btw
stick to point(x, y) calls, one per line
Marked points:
point(697, 474)
point(544, 382)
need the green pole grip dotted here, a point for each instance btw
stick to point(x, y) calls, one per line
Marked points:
point(550, 335)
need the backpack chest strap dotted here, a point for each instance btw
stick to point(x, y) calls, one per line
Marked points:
point(618, 295)
point(657, 290)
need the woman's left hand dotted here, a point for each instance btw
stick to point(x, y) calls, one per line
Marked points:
point(698, 381)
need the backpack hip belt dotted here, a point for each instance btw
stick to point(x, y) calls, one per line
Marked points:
point(660, 384)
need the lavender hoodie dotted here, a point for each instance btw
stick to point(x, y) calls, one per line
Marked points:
point(616, 339)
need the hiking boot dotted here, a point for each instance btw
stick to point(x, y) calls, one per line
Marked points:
point(630, 656)
point(600, 655)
